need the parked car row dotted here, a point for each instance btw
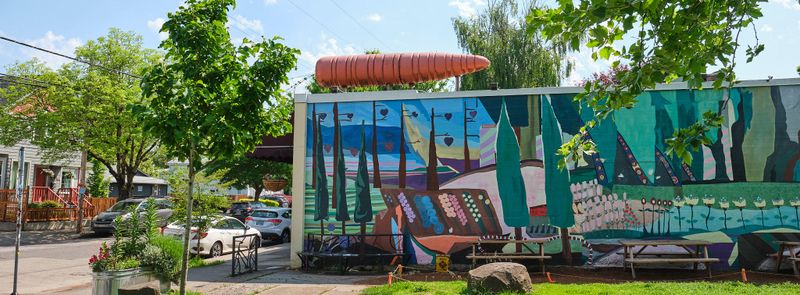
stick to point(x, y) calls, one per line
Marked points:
point(248, 217)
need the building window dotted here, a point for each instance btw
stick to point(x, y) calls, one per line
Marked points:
point(139, 188)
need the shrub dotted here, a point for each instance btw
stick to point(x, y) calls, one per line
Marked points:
point(46, 204)
point(164, 255)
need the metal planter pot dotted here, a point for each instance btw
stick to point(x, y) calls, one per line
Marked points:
point(109, 282)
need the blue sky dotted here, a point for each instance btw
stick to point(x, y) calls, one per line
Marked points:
point(391, 26)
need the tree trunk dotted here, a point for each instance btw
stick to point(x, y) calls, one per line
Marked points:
point(566, 250)
point(259, 189)
point(124, 189)
point(187, 225)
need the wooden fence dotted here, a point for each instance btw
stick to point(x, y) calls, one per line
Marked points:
point(8, 209)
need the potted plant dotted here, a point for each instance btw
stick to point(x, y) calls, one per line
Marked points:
point(274, 183)
point(137, 255)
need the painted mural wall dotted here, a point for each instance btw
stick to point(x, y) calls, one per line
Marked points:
point(449, 171)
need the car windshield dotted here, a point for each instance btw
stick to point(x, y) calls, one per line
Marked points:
point(123, 206)
point(265, 214)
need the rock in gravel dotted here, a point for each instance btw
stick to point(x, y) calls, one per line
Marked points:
point(500, 276)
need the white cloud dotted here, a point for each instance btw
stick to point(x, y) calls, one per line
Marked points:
point(327, 46)
point(791, 4)
point(467, 8)
point(765, 28)
point(52, 42)
point(584, 66)
point(244, 23)
point(375, 17)
point(270, 2)
point(155, 26)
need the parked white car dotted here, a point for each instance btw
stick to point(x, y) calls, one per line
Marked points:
point(273, 223)
point(218, 239)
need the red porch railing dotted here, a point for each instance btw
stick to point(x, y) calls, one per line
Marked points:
point(71, 195)
point(43, 193)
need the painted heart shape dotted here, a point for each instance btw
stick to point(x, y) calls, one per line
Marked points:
point(473, 113)
point(354, 151)
point(384, 112)
point(327, 148)
point(448, 116)
point(448, 141)
point(322, 116)
point(388, 146)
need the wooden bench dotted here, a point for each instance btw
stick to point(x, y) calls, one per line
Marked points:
point(691, 256)
point(479, 254)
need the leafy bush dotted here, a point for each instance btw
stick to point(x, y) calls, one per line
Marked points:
point(46, 204)
point(164, 255)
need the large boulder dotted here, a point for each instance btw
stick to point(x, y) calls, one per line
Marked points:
point(500, 276)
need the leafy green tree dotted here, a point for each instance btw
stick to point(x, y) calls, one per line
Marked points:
point(96, 183)
point(243, 172)
point(85, 107)
point(500, 34)
point(208, 201)
point(670, 40)
point(211, 100)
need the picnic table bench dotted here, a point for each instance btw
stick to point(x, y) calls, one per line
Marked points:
point(793, 248)
point(347, 247)
point(478, 253)
point(633, 257)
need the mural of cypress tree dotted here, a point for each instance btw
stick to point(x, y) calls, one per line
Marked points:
point(336, 147)
point(314, 145)
point(321, 193)
point(510, 183)
point(432, 179)
point(363, 213)
point(376, 169)
point(556, 185)
point(339, 179)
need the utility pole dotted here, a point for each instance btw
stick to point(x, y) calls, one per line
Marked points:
point(81, 190)
point(20, 182)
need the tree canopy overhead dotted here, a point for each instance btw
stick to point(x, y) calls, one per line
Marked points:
point(670, 40)
point(519, 56)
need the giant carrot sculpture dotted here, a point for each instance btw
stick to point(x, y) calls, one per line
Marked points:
point(394, 68)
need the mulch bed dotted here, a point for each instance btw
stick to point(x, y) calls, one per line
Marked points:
point(581, 275)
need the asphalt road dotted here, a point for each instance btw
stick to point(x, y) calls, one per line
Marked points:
point(52, 267)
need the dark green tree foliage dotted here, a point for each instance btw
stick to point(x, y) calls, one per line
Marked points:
point(671, 40)
point(211, 100)
point(363, 211)
point(243, 172)
point(517, 59)
point(96, 183)
point(340, 179)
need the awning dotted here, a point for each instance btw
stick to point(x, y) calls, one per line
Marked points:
point(277, 149)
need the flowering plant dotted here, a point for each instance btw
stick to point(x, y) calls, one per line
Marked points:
point(100, 261)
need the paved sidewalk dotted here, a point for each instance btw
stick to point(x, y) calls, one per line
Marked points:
point(7, 238)
point(273, 277)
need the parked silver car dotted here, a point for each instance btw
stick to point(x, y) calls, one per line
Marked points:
point(273, 223)
point(104, 222)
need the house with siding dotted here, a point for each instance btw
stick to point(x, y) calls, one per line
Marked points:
point(143, 186)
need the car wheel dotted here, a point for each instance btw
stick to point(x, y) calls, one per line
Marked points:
point(216, 250)
point(286, 237)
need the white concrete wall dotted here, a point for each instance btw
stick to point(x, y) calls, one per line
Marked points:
point(299, 185)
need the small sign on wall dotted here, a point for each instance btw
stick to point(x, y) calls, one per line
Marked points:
point(442, 263)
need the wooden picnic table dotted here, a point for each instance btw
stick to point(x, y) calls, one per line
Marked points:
point(794, 248)
point(477, 252)
point(691, 256)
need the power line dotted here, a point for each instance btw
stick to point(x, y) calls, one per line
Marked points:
point(20, 82)
point(317, 21)
point(360, 25)
point(70, 57)
point(27, 81)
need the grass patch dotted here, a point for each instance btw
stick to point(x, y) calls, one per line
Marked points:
point(196, 262)
point(460, 287)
